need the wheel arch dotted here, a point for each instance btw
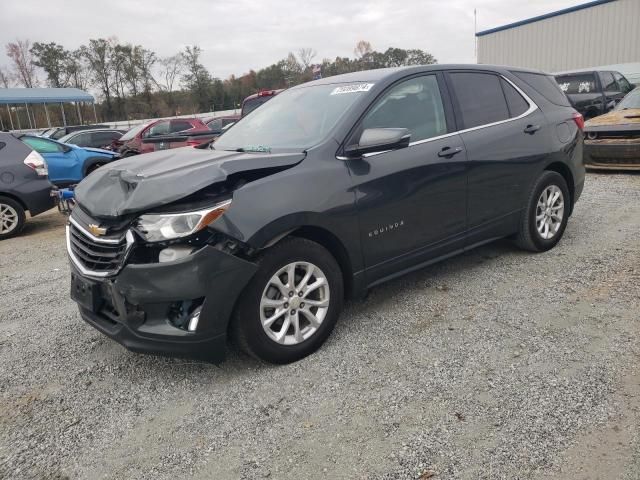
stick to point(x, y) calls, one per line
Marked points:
point(565, 171)
point(15, 198)
point(91, 161)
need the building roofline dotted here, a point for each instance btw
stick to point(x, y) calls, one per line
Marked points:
point(544, 17)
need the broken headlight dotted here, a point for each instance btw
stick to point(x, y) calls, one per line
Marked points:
point(159, 227)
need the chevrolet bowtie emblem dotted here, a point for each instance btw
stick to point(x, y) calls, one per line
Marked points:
point(97, 230)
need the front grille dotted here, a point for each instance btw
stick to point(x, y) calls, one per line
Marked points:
point(615, 161)
point(96, 256)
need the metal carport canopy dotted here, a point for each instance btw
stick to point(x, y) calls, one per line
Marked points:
point(11, 96)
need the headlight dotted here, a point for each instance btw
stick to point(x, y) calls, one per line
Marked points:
point(169, 226)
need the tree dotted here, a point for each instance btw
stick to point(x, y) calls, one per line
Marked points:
point(196, 77)
point(52, 58)
point(5, 78)
point(22, 58)
point(306, 55)
point(170, 70)
point(77, 70)
point(98, 55)
point(362, 49)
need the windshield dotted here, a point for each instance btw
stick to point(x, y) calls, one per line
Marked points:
point(632, 100)
point(295, 119)
point(133, 132)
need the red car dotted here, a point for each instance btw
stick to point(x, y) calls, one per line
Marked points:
point(219, 124)
point(131, 143)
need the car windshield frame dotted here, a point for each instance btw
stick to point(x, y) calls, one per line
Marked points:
point(293, 112)
point(134, 131)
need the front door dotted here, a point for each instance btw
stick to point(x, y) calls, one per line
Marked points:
point(412, 201)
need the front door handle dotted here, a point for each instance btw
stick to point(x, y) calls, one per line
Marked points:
point(531, 129)
point(448, 152)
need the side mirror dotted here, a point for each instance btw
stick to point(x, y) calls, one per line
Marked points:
point(66, 148)
point(375, 140)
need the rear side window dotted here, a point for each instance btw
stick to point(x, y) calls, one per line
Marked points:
point(414, 104)
point(516, 102)
point(480, 98)
point(574, 84)
point(546, 86)
point(180, 126)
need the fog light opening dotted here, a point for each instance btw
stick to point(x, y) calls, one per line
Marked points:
point(177, 252)
point(193, 321)
point(185, 314)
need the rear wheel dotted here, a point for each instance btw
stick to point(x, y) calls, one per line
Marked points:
point(545, 217)
point(291, 305)
point(12, 218)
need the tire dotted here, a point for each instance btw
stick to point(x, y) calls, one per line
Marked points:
point(247, 329)
point(529, 236)
point(12, 218)
point(93, 168)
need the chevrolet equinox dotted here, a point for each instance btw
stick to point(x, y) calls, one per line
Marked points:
point(328, 189)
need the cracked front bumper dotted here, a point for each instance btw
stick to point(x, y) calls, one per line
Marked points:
point(136, 307)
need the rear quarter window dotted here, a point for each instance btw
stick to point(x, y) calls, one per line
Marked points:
point(546, 86)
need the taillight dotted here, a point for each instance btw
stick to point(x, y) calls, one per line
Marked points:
point(193, 143)
point(36, 163)
point(579, 119)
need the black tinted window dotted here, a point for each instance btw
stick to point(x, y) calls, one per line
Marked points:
point(608, 82)
point(480, 98)
point(517, 104)
point(180, 126)
point(104, 138)
point(414, 104)
point(546, 86)
point(624, 85)
point(574, 84)
point(81, 140)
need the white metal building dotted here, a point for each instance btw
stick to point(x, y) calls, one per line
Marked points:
point(591, 35)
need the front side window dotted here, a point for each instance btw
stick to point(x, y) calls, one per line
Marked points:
point(295, 119)
point(624, 85)
point(480, 98)
point(215, 125)
point(81, 140)
point(180, 126)
point(160, 128)
point(413, 104)
point(608, 82)
point(42, 145)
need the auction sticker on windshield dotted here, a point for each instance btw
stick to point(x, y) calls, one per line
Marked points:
point(360, 87)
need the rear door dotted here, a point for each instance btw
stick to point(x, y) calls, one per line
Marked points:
point(505, 136)
point(412, 201)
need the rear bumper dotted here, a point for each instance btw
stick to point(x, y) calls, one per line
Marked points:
point(147, 307)
point(36, 195)
point(614, 154)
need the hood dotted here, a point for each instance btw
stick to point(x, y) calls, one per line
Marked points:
point(142, 182)
point(616, 117)
point(99, 150)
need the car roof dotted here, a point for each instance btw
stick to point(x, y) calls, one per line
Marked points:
point(380, 74)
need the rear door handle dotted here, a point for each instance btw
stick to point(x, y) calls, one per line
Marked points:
point(531, 129)
point(449, 152)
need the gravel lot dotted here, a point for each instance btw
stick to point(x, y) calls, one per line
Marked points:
point(496, 364)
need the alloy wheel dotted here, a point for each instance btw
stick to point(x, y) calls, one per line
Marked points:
point(8, 219)
point(294, 303)
point(549, 212)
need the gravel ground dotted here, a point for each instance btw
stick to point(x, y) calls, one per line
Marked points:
point(496, 364)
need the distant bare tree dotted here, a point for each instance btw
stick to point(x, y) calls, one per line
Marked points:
point(23, 64)
point(363, 48)
point(170, 70)
point(5, 79)
point(306, 55)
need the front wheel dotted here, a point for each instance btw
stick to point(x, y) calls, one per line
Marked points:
point(291, 305)
point(547, 212)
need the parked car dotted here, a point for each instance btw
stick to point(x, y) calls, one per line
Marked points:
point(56, 133)
point(102, 138)
point(330, 188)
point(131, 143)
point(23, 185)
point(613, 140)
point(68, 164)
point(594, 93)
point(219, 124)
point(252, 102)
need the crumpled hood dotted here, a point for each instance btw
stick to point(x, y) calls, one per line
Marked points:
point(616, 117)
point(142, 182)
point(99, 150)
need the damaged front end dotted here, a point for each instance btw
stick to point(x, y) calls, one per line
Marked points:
point(158, 277)
point(612, 141)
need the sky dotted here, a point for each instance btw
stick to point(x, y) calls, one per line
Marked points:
point(239, 35)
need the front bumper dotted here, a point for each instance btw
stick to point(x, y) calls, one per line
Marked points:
point(137, 307)
point(613, 154)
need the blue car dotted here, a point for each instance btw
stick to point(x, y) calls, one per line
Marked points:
point(68, 164)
